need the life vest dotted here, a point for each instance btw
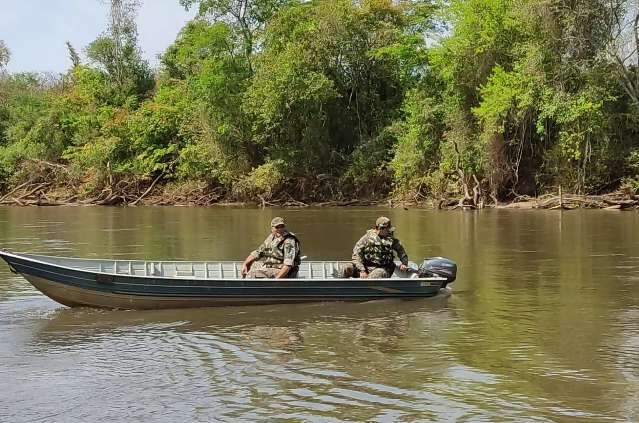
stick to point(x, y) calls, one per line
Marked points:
point(274, 252)
point(378, 251)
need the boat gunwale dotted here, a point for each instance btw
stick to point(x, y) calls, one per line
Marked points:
point(29, 257)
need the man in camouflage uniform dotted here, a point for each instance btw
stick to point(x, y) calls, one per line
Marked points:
point(373, 253)
point(277, 257)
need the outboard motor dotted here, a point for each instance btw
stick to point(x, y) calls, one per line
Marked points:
point(438, 266)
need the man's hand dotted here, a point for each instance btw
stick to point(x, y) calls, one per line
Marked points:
point(363, 275)
point(283, 272)
point(403, 267)
point(247, 265)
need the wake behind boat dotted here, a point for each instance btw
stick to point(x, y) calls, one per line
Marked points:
point(152, 284)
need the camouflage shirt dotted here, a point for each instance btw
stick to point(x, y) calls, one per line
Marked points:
point(278, 251)
point(375, 251)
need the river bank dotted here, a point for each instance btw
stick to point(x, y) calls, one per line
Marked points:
point(194, 194)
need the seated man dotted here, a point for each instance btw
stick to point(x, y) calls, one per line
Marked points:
point(277, 257)
point(373, 253)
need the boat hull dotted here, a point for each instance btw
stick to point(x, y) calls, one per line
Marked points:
point(80, 297)
point(76, 287)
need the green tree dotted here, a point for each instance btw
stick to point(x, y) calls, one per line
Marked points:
point(266, 99)
point(207, 66)
point(246, 16)
point(530, 93)
point(623, 44)
point(329, 80)
point(26, 132)
point(73, 55)
point(118, 56)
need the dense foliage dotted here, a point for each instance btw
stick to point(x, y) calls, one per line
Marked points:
point(340, 99)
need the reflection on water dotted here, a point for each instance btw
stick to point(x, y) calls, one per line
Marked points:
point(543, 324)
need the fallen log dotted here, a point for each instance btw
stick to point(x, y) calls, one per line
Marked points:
point(14, 190)
point(338, 203)
point(621, 203)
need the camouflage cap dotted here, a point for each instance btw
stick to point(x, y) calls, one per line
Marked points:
point(277, 221)
point(383, 222)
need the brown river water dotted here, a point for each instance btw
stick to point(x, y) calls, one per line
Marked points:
point(542, 324)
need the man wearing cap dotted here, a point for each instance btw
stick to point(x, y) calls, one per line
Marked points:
point(373, 253)
point(277, 257)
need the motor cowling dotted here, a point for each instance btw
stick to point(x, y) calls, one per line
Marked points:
point(438, 266)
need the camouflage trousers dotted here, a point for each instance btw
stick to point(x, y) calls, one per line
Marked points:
point(349, 270)
point(260, 270)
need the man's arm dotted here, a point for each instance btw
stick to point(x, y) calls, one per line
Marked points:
point(255, 255)
point(247, 264)
point(401, 252)
point(358, 256)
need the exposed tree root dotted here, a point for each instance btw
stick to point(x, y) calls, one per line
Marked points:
point(51, 184)
point(616, 200)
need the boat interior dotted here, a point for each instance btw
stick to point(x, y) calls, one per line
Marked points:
point(187, 269)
